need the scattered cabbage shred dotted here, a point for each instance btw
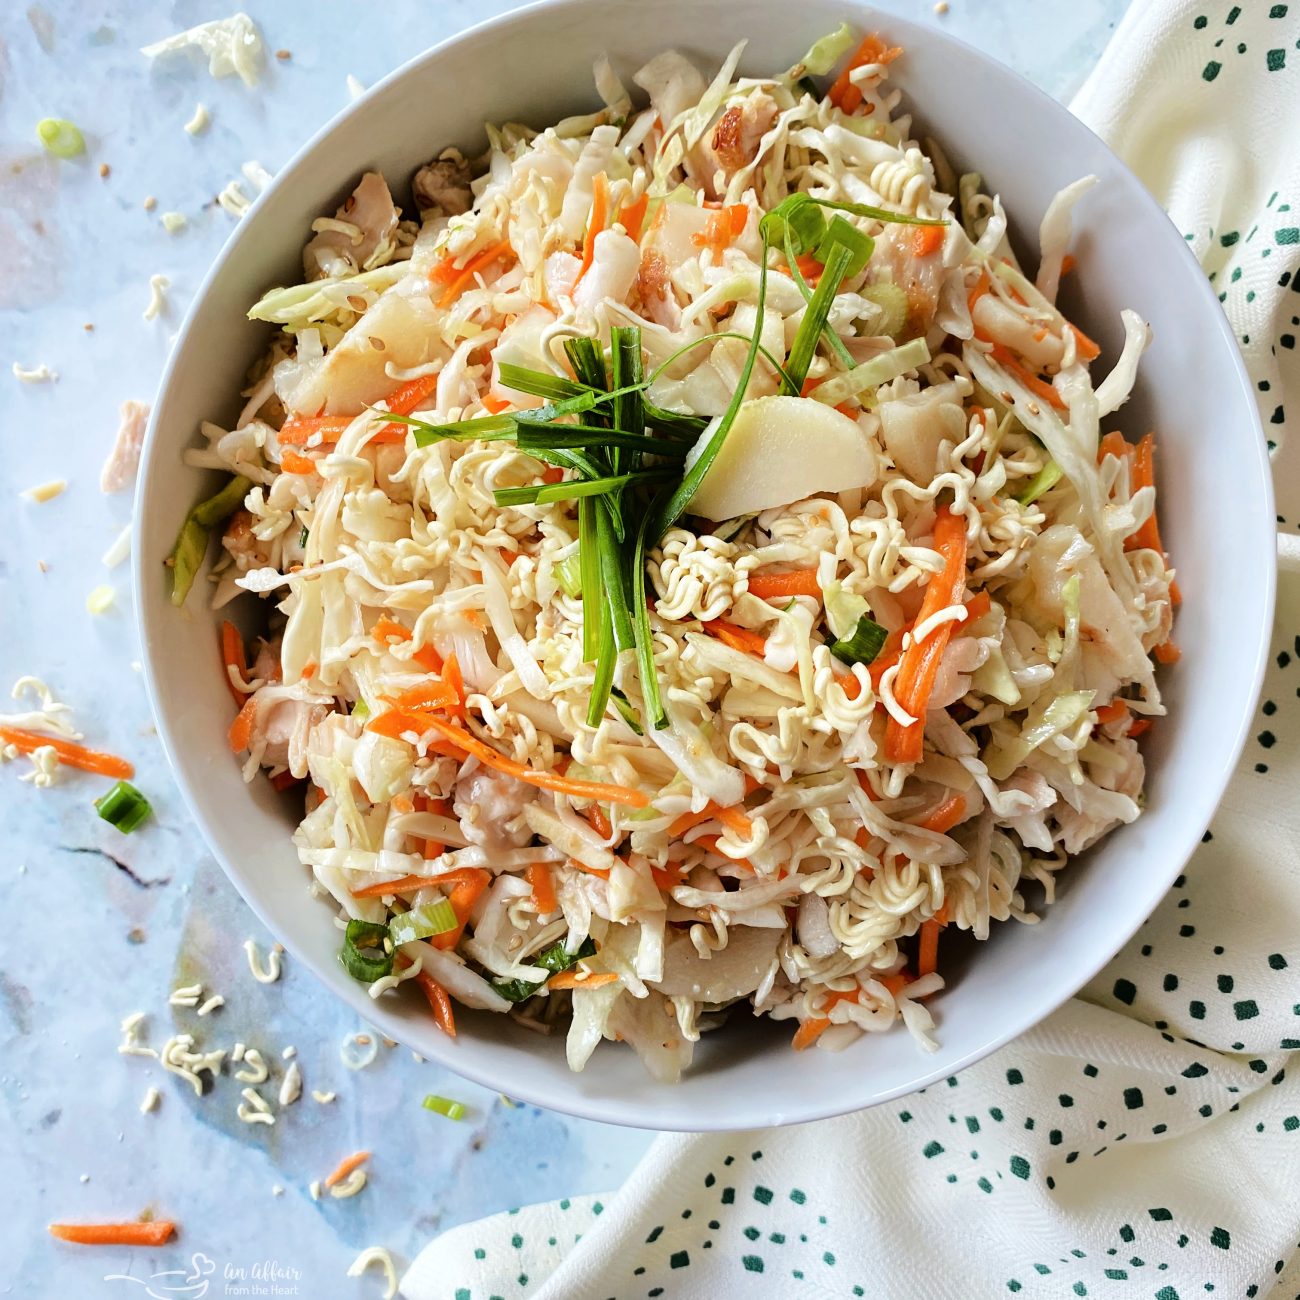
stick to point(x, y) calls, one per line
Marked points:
point(753, 837)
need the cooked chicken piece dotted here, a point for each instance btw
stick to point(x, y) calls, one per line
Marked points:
point(370, 209)
point(920, 277)
point(123, 461)
point(441, 187)
point(244, 546)
point(488, 805)
point(733, 143)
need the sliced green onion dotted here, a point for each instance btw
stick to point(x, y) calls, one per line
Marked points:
point(224, 504)
point(797, 220)
point(871, 374)
point(60, 137)
point(1046, 478)
point(892, 301)
point(665, 513)
point(642, 633)
point(304, 535)
point(550, 436)
point(587, 362)
point(123, 806)
point(444, 1106)
point(361, 710)
point(557, 958)
point(837, 344)
point(568, 573)
point(537, 382)
point(420, 922)
point(815, 317)
point(191, 546)
point(628, 412)
point(864, 645)
point(515, 990)
point(606, 663)
point(366, 953)
point(843, 232)
point(625, 709)
point(570, 489)
point(589, 573)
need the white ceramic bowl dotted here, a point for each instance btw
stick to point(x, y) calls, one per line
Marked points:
point(535, 65)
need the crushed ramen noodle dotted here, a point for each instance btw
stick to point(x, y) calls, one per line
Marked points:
point(695, 572)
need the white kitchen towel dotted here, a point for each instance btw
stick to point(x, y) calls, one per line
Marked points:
point(1145, 1140)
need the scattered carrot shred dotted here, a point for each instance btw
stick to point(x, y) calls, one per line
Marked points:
point(738, 638)
point(927, 240)
point(457, 280)
point(1039, 387)
point(298, 430)
point(439, 1003)
point(407, 397)
point(241, 730)
point(631, 216)
point(843, 93)
point(946, 815)
point(494, 405)
point(387, 629)
point(346, 1166)
point(794, 582)
point(596, 223)
point(292, 463)
point(541, 883)
point(927, 952)
point(232, 656)
point(572, 979)
point(1167, 653)
point(155, 1232)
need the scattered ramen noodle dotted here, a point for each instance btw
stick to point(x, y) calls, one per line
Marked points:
point(755, 383)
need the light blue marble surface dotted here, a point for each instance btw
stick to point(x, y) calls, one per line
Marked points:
point(88, 940)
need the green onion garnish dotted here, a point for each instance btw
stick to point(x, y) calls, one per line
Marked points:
point(568, 573)
point(191, 545)
point(421, 922)
point(557, 958)
point(864, 645)
point(61, 137)
point(1046, 478)
point(444, 1106)
point(367, 953)
point(123, 806)
point(625, 710)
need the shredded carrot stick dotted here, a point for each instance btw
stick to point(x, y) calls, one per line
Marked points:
point(439, 1003)
point(406, 397)
point(710, 842)
point(156, 1232)
point(599, 822)
point(572, 979)
point(232, 656)
point(458, 280)
point(977, 606)
point(1068, 263)
point(1115, 711)
point(927, 240)
point(552, 474)
point(667, 878)
point(738, 638)
point(1084, 346)
point(451, 675)
point(1139, 726)
point(490, 757)
point(721, 230)
point(69, 752)
point(920, 661)
point(464, 894)
point(407, 884)
point(946, 815)
point(241, 730)
point(794, 582)
point(896, 982)
point(1039, 387)
point(982, 286)
point(428, 695)
point(843, 93)
point(596, 222)
point(346, 1166)
point(292, 463)
point(732, 818)
point(849, 684)
point(297, 430)
point(285, 780)
point(388, 629)
point(602, 872)
point(631, 216)
point(927, 951)
point(1113, 444)
point(539, 880)
point(1167, 653)
point(494, 405)
point(809, 1032)
point(1147, 536)
point(428, 659)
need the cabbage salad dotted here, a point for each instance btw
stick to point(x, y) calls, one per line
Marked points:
point(695, 575)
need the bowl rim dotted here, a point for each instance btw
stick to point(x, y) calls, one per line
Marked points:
point(606, 1109)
